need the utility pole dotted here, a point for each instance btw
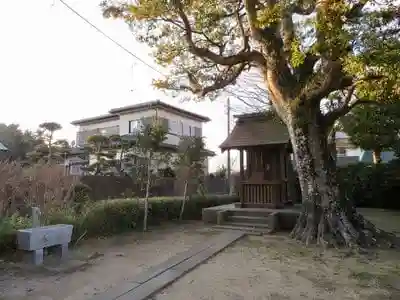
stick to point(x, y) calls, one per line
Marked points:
point(229, 151)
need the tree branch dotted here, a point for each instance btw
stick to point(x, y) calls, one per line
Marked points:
point(201, 33)
point(223, 80)
point(350, 101)
point(245, 37)
point(287, 32)
point(332, 116)
point(328, 79)
point(306, 69)
point(356, 9)
point(243, 56)
point(251, 11)
point(304, 9)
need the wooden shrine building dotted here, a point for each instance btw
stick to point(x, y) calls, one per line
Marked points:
point(265, 164)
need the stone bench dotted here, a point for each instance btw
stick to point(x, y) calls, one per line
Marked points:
point(34, 240)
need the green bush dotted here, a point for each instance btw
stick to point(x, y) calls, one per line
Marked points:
point(375, 186)
point(109, 217)
point(8, 226)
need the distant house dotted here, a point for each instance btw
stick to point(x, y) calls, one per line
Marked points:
point(3, 148)
point(4, 152)
point(347, 153)
point(386, 156)
point(73, 166)
point(127, 122)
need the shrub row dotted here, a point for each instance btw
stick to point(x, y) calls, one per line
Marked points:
point(375, 186)
point(114, 216)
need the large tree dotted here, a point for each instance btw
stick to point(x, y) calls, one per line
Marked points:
point(48, 129)
point(305, 50)
point(190, 164)
point(18, 142)
point(373, 128)
point(148, 145)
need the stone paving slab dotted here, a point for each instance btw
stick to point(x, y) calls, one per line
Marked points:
point(149, 288)
point(153, 271)
point(154, 285)
point(191, 263)
point(158, 277)
point(148, 274)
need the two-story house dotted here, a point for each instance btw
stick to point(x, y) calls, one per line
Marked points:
point(127, 120)
point(347, 153)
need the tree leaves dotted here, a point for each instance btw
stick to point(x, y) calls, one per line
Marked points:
point(373, 127)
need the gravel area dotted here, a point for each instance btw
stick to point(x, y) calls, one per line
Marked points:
point(101, 264)
point(275, 267)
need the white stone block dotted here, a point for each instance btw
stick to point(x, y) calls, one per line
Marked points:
point(32, 239)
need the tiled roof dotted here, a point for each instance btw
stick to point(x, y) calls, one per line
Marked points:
point(159, 104)
point(114, 112)
point(256, 130)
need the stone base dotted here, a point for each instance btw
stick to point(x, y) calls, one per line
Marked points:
point(36, 257)
point(259, 205)
point(277, 219)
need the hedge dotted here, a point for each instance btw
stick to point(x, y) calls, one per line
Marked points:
point(110, 217)
point(375, 186)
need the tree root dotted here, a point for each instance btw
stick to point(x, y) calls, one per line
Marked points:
point(335, 228)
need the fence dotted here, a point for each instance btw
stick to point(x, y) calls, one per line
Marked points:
point(110, 187)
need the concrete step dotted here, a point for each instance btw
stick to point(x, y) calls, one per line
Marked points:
point(245, 224)
point(251, 212)
point(248, 219)
point(246, 229)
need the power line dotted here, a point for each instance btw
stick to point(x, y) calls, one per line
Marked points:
point(108, 37)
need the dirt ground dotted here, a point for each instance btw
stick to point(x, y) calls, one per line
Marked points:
point(98, 264)
point(275, 267)
point(278, 268)
point(256, 268)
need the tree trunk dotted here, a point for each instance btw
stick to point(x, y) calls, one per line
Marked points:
point(324, 219)
point(332, 144)
point(376, 156)
point(49, 158)
point(184, 201)
point(146, 199)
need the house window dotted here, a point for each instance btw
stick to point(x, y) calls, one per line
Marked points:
point(135, 126)
point(185, 129)
point(341, 151)
point(175, 127)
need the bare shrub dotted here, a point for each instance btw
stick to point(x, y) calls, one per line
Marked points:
point(44, 186)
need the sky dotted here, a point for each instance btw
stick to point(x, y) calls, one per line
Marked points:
point(55, 67)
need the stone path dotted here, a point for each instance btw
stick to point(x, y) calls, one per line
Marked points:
point(158, 277)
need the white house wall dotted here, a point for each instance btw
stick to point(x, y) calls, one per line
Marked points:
point(125, 118)
point(171, 139)
point(165, 114)
point(99, 125)
point(123, 124)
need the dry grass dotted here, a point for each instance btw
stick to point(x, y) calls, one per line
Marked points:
point(41, 185)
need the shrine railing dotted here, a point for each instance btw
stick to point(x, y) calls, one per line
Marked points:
point(263, 193)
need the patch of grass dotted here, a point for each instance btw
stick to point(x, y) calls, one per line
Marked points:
point(362, 276)
point(318, 279)
point(278, 296)
point(388, 220)
point(367, 279)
